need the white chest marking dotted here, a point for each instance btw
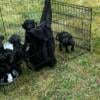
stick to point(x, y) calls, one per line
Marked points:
point(10, 78)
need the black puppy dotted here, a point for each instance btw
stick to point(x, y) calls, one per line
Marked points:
point(4, 61)
point(17, 49)
point(65, 40)
point(39, 45)
point(11, 60)
point(27, 25)
point(29, 47)
point(16, 58)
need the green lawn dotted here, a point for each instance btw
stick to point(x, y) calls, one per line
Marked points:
point(77, 79)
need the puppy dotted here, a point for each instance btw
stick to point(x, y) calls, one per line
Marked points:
point(15, 40)
point(11, 59)
point(4, 60)
point(39, 45)
point(65, 40)
point(27, 26)
point(17, 54)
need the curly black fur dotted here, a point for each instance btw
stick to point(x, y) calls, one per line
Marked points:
point(18, 49)
point(10, 59)
point(39, 42)
point(65, 40)
point(39, 46)
point(29, 24)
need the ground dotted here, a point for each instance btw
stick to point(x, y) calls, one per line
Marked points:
point(77, 79)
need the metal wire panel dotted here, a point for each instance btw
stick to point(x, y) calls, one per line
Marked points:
point(66, 17)
point(74, 19)
point(14, 14)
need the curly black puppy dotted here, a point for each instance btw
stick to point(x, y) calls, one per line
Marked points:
point(27, 25)
point(65, 40)
point(10, 60)
point(4, 61)
point(18, 48)
point(39, 45)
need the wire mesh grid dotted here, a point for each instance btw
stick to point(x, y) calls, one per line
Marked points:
point(77, 21)
point(66, 17)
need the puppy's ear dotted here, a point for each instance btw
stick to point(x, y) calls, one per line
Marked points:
point(24, 26)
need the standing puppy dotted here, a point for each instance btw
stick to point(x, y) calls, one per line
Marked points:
point(28, 25)
point(39, 45)
point(65, 40)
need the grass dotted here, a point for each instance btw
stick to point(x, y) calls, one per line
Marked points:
point(77, 79)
